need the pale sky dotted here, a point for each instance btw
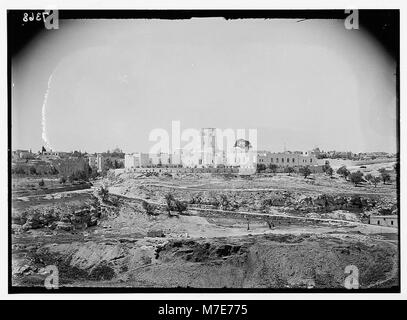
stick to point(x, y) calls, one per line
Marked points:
point(301, 84)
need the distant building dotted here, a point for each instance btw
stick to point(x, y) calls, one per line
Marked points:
point(136, 160)
point(208, 155)
point(244, 157)
point(23, 154)
point(160, 159)
point(92, 161)
point(386, 221)
point(283, 159)
point(208, 147)
point(100, 163)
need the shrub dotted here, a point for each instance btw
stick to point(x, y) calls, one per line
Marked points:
point(62, 180)
point(41, 183)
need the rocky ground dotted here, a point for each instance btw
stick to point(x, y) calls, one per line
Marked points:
point(99, 240)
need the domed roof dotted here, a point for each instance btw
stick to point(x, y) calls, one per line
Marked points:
point(243, 144)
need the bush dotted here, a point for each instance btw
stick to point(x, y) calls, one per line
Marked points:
point(369, 177)
point(149, 208)
point(180, 206)
point(273, 168)
point(305, 171)
point(41, 183)
point(329, 171)
point(289, 170)
point(375, 181)
point(174, 205)
point(19, 170)
point(103, 193)
point(261, 167)
point(62, 180)
point(385, 176)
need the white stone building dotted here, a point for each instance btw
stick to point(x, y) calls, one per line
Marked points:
point(283, 159)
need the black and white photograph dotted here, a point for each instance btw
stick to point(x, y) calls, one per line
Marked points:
point(192, 151)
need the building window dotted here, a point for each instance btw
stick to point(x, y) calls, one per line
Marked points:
point(271, 160)
point(391, 222)
point(378, 221)
point(288, 160)
point(293, 160)
point(282, 160)
point(277, 160)
point(310, 160)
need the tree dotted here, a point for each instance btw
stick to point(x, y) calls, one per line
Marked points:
point(369, 177)
point(289, 170)
point(272, 167)
point(343, 171)
point(385, 176)
point(329, 171)
point(261, 167)
point(108, 164)
point(356, 177)
point(375, 181)
point(305, 171)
